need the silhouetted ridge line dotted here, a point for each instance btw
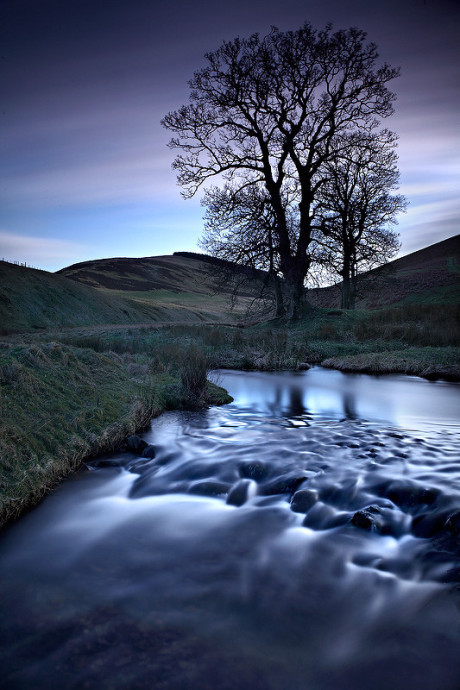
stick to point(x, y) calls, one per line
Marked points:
point(214, 260)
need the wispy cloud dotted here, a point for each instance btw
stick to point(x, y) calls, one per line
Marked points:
point(426, 223)
point(39, 251)
point(128, 179)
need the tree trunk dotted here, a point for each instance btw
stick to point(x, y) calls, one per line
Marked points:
point(296, 298)
point(279, 301)
point(346, 292)
point(353, 292)
point(348, 280)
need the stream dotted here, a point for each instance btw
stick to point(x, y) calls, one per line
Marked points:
point(304, 537)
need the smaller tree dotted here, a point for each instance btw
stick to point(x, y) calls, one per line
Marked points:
point(240, 226)
point(358, 209)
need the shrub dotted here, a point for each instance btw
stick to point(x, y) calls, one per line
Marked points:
point(193, 372)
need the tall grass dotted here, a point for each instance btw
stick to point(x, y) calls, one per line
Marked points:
point(193, 374)
point(61, 404)
point(423, 325)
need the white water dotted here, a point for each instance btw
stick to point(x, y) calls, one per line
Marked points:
point(142, 575)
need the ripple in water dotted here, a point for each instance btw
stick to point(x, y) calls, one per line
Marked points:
point(285, 541)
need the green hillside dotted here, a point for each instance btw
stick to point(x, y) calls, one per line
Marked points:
point(111, 291)
point(192, 288)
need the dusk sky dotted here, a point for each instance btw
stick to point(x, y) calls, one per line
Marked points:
point(85, 172)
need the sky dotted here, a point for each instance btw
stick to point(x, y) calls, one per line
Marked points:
point(85, 171)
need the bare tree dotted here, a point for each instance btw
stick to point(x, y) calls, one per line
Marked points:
point(240, 226)
point(267, 111)
point(358, 208)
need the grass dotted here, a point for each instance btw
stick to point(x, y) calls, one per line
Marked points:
point(31, 299)
point(445, 294)
point(429, 362)
point(320, 336)
point(73, 393)
point(62, 403)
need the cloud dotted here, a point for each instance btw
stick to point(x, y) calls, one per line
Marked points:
point(114, 157)
point(38, 250)
point(427, 223)
point(433, 212)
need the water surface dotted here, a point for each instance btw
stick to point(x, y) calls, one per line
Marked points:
point(306, 536)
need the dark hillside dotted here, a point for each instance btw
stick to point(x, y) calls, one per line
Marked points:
point(428, 276)
point(31, 299)
point(181, 272)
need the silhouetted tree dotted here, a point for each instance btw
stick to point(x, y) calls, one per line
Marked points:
point(266, 111)
point(240, 226)
point(358, 209)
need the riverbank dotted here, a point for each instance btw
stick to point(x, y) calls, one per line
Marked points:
point(432, 363)
point(70, 395)
point(61, 405)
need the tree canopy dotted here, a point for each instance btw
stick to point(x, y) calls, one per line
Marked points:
point(268, 115)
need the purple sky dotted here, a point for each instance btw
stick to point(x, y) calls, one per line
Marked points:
point(84, 168)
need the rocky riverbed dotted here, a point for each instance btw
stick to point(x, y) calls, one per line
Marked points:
point(306, 535)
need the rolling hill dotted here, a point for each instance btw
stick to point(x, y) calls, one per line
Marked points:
point(428, 276)
point(164, 289)
point(194, 288)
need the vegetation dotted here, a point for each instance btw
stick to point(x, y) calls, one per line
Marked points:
point(62, 403)
point(358, 208)
point(69, 393)
point(273, 114)
point(163, 289)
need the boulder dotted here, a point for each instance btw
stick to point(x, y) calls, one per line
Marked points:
point(136, 444)
point(240, 492)
point(303, 500)
point(367, 519)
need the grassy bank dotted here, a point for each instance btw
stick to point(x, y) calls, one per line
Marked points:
point(429, 362)
point(61, 404)
point(76, 393)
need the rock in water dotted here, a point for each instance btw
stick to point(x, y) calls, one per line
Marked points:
point(303, 500)
point(240, 492)
point(136, 444)
point(149, 451)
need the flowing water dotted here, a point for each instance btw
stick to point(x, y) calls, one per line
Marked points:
point(306, 536)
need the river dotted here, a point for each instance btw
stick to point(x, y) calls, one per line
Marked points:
point(305, 537)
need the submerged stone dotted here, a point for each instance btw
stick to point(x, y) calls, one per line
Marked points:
point(284, 485)
point(208, 488)
point(148, 452)
point(408, 494)
point(255, 469)
point(321, 516)
point(453, 523)
point(303, 500)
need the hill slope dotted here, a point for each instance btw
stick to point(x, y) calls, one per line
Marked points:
point(185, 287)
point(428, 276)
point(181, 272)
point(34, 299)
point(164, 289)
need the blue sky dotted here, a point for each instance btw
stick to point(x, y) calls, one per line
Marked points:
point(84, 168)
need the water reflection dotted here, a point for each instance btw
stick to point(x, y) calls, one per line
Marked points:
point(400, 400)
